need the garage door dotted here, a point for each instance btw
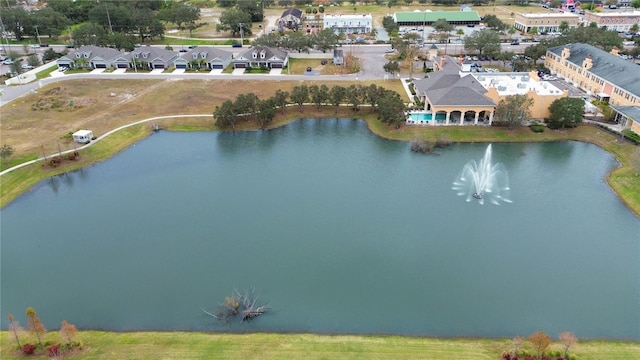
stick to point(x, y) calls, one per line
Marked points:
point(240, 66)
point(181, 66)
point(158, 66)
point(122, 66)
point(218, 67)
point(100, 66)
point(276, 66)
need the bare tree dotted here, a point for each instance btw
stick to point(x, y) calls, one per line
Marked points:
point(241, 306)
point(540, 341)
point(68, 331)
point(15, 328)
point(568, 340)
point(35, 325)
point(517, 344)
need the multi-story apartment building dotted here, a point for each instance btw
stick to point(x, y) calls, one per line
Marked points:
point(613, 20)
point(604, 75)
point(349, 24)
point(545, 22)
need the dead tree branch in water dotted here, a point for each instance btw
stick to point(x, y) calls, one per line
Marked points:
point(240, 306)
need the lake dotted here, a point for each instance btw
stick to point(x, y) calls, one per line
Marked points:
point(338, 230)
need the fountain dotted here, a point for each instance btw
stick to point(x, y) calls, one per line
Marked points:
point(483, 180)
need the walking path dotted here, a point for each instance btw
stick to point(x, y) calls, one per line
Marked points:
point(102, 137)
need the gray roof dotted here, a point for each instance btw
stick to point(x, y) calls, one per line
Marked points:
point(270, 52)
point(293, 12)
point(632, 112)
point(95, 51)
point(211, 53)
point(151, 53)
point(444, 88)
point(607, 66)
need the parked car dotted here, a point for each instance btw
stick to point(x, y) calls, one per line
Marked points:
point(389, 51)
point(63, 68)
point(26, 67)
point(44, 45)
point(309, 69)
point(236, 45)
point(323, 62)
point(7, 61)
point(515, 42)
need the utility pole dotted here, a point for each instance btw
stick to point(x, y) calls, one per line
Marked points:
point(37, 34)
point(241, 33)
point(108, 18)
point(4, 50)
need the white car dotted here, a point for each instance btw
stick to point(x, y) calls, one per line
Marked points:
point(389, 51)
point(26, 67)
point(34, 46)
point(7, 62)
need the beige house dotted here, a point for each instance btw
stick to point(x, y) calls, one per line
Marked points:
point(544, 22)
point(618, 21)
point(604, 75)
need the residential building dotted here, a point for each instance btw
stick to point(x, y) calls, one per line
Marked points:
point(428, 17)
point(204, 57)
point(545, 22)
point(89, 56)
point(613, 20)
point(262, 56)
point(604, 75)
point(153, 57)
point(348, 24)
point(290, 19)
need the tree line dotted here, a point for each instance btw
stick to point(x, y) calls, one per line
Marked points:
point(386, 103)
point(113, 23)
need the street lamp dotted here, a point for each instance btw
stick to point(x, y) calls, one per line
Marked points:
point(241, 33)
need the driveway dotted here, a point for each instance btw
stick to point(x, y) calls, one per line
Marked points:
point(237, 72)
point(275, 72)
point(97, 71)
point(156, 71)
point(119, 71)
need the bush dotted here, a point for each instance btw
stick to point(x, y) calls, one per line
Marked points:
point(28, 349)
point(554, 125)
point(536, 127)
point(631, 136)
point(53, 350)
point(422, 146)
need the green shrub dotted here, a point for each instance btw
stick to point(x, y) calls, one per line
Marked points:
point(631, 136)
point(536, 127)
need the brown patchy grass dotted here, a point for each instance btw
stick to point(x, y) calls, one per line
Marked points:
point(33, 131)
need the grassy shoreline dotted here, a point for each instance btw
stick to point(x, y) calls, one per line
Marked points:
point(199, 345)
point(621, 179)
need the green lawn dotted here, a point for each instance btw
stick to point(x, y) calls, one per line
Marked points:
point(196, 345)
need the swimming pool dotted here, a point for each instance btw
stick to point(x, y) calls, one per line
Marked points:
point(424, 117)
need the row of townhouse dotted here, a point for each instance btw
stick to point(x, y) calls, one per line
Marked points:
point(604, 75)
point(148, 57)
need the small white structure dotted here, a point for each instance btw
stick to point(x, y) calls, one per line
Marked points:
point(83, 136)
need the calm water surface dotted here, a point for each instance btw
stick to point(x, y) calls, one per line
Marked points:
point(338, 230)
